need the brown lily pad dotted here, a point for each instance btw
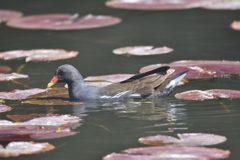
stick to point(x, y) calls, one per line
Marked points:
point(6, 15)
point(12, 76)
point(177, 151)
point(200, 69)
point(235, 25)
point(142, 50)
point(208, 94)
point(5, 108)
point(27, 117)
point(5, 69)
point(39, 54)
point(186, 139)
point(20, 94)
point(223, 5)
point(54, 96)
point(156, 4)
point(63, 22)
point(14, 149)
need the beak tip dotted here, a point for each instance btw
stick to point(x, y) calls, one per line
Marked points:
point(50, 85)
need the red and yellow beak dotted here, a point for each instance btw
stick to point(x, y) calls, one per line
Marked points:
point(53, 81)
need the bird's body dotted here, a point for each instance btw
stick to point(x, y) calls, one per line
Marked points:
point(152, 84)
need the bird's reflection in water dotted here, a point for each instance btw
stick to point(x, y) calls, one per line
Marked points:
point(166, 113)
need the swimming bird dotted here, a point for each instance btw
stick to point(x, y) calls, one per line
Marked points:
point(151, 84)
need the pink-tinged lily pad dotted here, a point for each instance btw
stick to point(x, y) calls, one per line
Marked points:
point(12, 76)
point(177, 151)
point(156, 4)
point(39, 54)
point(6, 15)
point(117, 156)
point(5, 108)
point(142, 50)
point(49, 119)
point(63, 22)
point(20, 94)
point(14, 149)
point(5, 69)
point(235, 25)
point(208, 94)
point(54, 96)
point(223, 4)
point(186, 139)
point(200, 69)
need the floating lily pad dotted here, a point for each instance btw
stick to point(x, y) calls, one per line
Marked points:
point(200, 69)
point(6, 15)
point(186, 139)
point(17, 148)
point(223, 4)
point(235, 25)
point(5, 69)
point(12, 76)
point(43, 127)
point(39, 54)
point(20, 94)
point(117, 156)
point(156, 4)
point(208, 94)
point(183, 152)
point(142, 50)
point(5, 108)
point(63, 22)
point(54, 96)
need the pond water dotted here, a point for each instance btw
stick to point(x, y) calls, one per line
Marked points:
point(194, 34)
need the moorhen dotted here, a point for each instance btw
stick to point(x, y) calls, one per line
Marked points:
point(151, 84)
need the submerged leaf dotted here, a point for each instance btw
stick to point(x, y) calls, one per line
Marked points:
point(39, 54)
point(186, 139)
point(5, 69)
point(235, 25)
point(12, 76)
point(6, 15)
point(20, 94)
point(17, 148)
point(63, 22)
point(142, 50)
point(208, 94)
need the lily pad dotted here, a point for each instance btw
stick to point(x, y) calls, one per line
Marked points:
point(156, 4)
point(12, 76)
point(5, 108)
point(186, 139)
point(200, 69)
point(235, 25)
point(208, 94)
point(6, 15)
point(142, 50)
point(5, 69)
point(223, 5)
point(17, 148)
point(20, 94)
point(39, 54)
point(177, 151)
point(117, 156)
point(27, 117)
point(63, 22)
point(54, 96)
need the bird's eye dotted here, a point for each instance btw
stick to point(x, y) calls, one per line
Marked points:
point(61, 73)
